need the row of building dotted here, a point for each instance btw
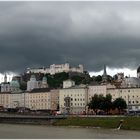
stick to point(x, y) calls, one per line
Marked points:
point(69, 99)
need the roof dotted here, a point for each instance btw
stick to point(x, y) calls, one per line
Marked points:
point(74, 87)
point(36, 90)
point(138, 70)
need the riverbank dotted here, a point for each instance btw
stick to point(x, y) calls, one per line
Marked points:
point(129, 123)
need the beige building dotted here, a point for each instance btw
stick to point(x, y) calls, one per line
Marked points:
point(39, 99)
point(15, 100)
point(54, 98)
point(96, 89)
point(130, 95)
point(73, 100)
point(5, 99)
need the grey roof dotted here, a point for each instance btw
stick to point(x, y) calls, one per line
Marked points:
point(36, 90)
point(132, 82)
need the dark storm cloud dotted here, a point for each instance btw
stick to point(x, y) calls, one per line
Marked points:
point(34, 34)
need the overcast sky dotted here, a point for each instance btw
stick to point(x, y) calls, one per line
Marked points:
point(34, 34)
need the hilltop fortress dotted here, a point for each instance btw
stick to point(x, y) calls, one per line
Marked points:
point(53, 69)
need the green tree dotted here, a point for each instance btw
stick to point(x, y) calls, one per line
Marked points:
point(101, 102)
point(98, 78)
point(94, 103)
point(120, 104)
point(108, 103)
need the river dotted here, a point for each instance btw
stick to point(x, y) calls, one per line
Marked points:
point(19, 131)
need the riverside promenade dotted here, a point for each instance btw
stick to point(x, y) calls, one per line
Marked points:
point(30, 119)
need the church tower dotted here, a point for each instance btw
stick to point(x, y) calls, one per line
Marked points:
point(104, 76)
point(5, 78)
point(138, 72)
point(44, 82)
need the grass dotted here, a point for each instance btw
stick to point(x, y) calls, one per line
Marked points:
point(130, 123)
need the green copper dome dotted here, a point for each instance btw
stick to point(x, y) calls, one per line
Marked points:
point(44, 79)
point(14, 83)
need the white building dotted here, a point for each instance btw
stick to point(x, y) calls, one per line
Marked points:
point(53, 69)
point(5, 86)
point(68, 83)
point(32, 84)
point(73, 100)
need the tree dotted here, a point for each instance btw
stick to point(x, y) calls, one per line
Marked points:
point(98, 78)
point(101, 102)
point(108, 103)
point(120, 104)
point(94, 104)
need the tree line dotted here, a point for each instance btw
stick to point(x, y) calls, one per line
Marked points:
point(99, 102)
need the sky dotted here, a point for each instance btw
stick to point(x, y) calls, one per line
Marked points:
point(36, 34)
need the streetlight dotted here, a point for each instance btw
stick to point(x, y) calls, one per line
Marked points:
point(128, 103)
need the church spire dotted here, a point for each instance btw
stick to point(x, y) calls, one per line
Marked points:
point(104, 74)
point(5, 78)
point(105, 70)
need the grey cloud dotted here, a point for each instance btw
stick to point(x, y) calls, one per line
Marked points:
point(34, 34)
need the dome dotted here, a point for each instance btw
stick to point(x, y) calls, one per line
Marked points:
point(44, 79)
point(138, 70)
point(14, 83)
point(131, 82)
point(33, 78)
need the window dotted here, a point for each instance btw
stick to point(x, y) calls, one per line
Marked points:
point(133, 102)
point(136, 107)
point(128, 90)
point(75, 99)
point(71, 99)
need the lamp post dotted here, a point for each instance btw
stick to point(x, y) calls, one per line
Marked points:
point(128, 103)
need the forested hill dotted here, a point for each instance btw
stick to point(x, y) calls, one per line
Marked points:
point(56, 81)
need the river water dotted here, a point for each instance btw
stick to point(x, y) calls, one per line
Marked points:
point(58, 132)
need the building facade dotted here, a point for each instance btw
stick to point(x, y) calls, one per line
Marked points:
point(5, 99)
point(68, 83)
point(73, 100)
point(96, 89)
point(39, 99)
point(130, 95)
